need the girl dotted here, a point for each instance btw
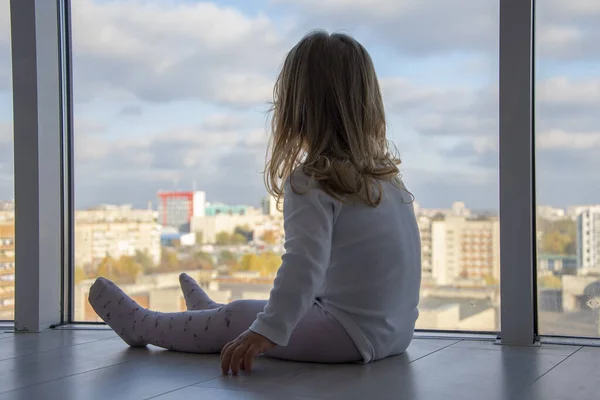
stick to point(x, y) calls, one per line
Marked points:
point(348, 286)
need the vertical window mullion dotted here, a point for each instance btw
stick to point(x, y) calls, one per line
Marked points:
point(517, 230)
point(37, 149)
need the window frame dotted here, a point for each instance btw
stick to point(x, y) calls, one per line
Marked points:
point(41, 37)
point(38, 121)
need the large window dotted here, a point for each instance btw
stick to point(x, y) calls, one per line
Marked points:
point(568, 167)
point(170, 104)
point(7, 216)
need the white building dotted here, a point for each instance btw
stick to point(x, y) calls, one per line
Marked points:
point(550, 213)
point(588, 239)
point(211, 225)
point(458, 209)
point(175, 209)
point(465, 248)
point(198, 203)
point(424, 224)
point(574, 211)
point(115, 231)
point(269, 206)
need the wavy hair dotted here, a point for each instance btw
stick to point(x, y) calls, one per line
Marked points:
point(328, 119)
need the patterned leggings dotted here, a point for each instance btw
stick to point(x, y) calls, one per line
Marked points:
point(207, 326)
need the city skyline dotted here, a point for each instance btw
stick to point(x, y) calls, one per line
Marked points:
point(460, 257)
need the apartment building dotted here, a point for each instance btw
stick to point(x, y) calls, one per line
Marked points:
point(7, 264)
point(116, 231)
point(465, 249)
point(588, 239)
point(176, 209)
point(424, 224)
point(211, 225)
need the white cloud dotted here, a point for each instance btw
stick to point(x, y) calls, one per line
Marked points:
point(568, 9)
point(169, 50)
point(557, 38)
point(565, 91)
point(562, 103)
point(170, 149)
point(561, 140)
point(163, 51)
point(568, 104)
point(429, 110)
point(401, 94)
point(6, 133)
point(225, 164)
point(384, 9)
point(565, 30)
point(5, 67)
point(224, 122)
point(88, 127)
point(416, 27)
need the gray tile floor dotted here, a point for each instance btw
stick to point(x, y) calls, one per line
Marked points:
point(95, 364)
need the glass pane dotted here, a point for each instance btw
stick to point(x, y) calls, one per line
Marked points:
point(568, 167)
point(7, 206)
point(170, 107)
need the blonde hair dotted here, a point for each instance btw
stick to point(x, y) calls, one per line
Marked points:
point(328, 119)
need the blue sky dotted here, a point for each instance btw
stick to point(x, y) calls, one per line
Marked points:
point(169, 94)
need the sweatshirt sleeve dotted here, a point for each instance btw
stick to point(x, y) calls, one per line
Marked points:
point(308, 226)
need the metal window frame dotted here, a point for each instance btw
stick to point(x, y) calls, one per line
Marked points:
point(42, 90)
point(68, 190)
point(38, 131)
point(518, 308)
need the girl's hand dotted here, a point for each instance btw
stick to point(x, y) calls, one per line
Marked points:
point(241, 352)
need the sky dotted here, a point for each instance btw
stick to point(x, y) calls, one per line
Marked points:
point(173, 94)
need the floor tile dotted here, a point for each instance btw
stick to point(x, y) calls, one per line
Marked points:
point(222, 394)
point(95, 364)
point(21, 344)
point(557, 349)
point(453, 373)
point(143, 376)
point(577, 378)
point(297, 379)
point(40, 367)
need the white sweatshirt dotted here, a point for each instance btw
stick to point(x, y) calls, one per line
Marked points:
point(361, 264)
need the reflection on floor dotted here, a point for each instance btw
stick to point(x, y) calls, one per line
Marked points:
point(95, 364)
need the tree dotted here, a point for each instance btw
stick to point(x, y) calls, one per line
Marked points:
point(558, 237)
point(571, 248)
point(243, 228)
point(555, 242)
point(144, 259)
point(202, 260)
point(228, 258)
point(266, 263)
point(238, 238)
point(550, 282)
point(244, 231)
point(223, 238)
point(123, 270)
point(271, 263)
point(80, 275)
point(270, 237)
point(169, 261)
point(490, 280)
point(248, 262)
